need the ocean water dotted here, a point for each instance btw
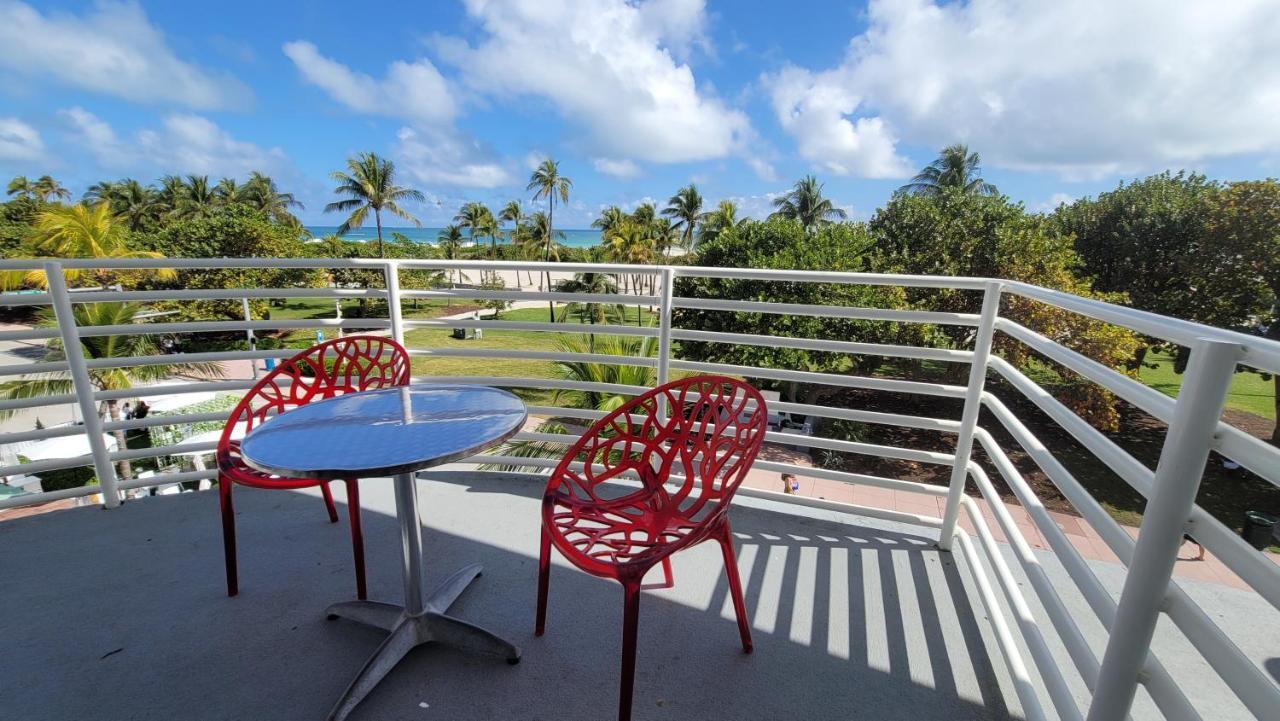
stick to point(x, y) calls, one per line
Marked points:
point(574, 238)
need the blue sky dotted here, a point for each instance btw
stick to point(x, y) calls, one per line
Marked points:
point(635, 99)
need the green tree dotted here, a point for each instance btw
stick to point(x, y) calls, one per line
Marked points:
point(785, 244)
point(721, 220)
point(81, 231)
point(547, 182)
point(449, 243)
point(610, 218)
point(963, 234)
point(116, 347)
point(592, 283)
point(47, 188)
point(262, 194)
point(955, 167)
point(806, 204)
point(685, 208)
point(513, 213)
point(370, 184)
point(21, 187)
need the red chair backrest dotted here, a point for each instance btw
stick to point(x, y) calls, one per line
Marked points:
point(695, 454)
point(343, 365)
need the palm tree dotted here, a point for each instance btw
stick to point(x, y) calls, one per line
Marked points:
point(100, 192)
point(229, 192)
point(664, 236)
point(196, 199)
point(685, 207)
point(547, 182)
point(592, 283)
point(22, 187)
point(585, 372)
point(449, 242)
point(955, 167)
point(136, 203)
point(633, 243)
point(261, 193)
point(105, 347)
point(46, 187)
point(478, 220)
point(805, 203)
point(79, 231)
point(513, 213)
point(610, 218)
point(370, 184)
point(722, 219)
point(170, 195)
point(645, 213)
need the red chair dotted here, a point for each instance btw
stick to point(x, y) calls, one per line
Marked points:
point(690, 443)
point(344, 365)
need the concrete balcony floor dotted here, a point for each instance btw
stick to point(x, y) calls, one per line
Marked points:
point(122, 614)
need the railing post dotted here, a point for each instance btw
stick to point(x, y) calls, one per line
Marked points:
point(80, 381)
point(250, 337)
point(972, 407)
point(664, 324)
point(392, 271)
point(1173, 494)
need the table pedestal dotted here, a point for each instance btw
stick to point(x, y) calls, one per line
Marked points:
point(418, 622)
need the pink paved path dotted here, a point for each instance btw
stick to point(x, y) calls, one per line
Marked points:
point(1081, 534)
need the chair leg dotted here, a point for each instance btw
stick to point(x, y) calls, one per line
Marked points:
point(725, 537)
point(630, 626)
point(544, 580)
point(228, 534)
point(357, 535)
point(328, 502)
point(666, 572)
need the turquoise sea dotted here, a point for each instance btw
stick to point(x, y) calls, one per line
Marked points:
point(575, 238)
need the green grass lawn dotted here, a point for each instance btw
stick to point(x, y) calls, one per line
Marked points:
point(1249, 392)
point(498, 339)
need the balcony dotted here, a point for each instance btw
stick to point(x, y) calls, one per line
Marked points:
point(869, 595)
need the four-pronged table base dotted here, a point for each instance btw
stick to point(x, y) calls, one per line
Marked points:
point(408, 631)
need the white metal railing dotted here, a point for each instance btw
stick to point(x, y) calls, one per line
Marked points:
point(1111, 673)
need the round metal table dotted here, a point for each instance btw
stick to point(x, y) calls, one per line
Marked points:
point(394, 432)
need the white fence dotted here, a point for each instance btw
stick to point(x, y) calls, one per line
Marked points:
point(1111, 675)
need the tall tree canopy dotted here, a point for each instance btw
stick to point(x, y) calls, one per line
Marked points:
point(806, 204)
point(369, 184)
point(955, 167)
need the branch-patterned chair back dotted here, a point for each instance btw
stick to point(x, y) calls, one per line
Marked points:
point(343, 365)
point(690, 443)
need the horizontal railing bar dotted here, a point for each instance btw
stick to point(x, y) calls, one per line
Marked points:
point(177, 449)
point(864, 449)
point(17, 404)
point(22, 369)
point(222, 326)
point(164, 479)
point(173, 420)
point(29, 334)
point(180, 358)
point(176, 388)
point(564, 297)
point(882, 384)
point(40, 434)
point(945, 355)
point(1116, 458)
point(147, 296)
point(876, 417)
point(605, 358)
point(1254, 688)
point(883, 514)
point(809, 276)
point(534, 383)
point(579, 328)
point(1260, 353)
point(857, 479)
point(1082, 655)
point(827, 311)
point(49, 464)
point(580, 413)
point(36, 499)
point(995, 616)
point(1254, 454)
point(1046, 664)
point(1252, 567)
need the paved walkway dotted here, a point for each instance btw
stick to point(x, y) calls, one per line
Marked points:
point(1077, 530)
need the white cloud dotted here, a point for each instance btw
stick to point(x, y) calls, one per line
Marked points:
point(443, 157)
point(1082, 88)
point(414, 91)
point(617, 168)
point(607, 65)
point(763, 168)
point(184, 143)
point(1053, 202)
point(19, 141)
point(113, 49)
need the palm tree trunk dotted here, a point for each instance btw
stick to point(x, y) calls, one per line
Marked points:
point(123, 468)
point(546, 253)
point(377, 217)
